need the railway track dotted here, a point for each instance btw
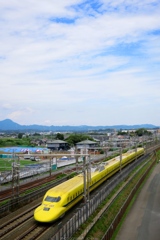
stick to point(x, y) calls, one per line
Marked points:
point(33, 232)
point(6, 194)
point(8, 228)
point(24, 227)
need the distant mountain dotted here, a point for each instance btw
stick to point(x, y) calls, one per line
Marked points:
point(9, 125)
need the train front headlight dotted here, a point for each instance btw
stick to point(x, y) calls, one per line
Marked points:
point(51, 205)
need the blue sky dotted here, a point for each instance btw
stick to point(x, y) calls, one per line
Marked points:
point(80, 62)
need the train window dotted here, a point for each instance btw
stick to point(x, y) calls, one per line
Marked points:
point(58, 199)
point(52, 199)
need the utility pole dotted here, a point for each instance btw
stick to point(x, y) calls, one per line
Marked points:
point(120, 159)
point(15, 176)
point(84, 178)
point(88, 175)
point(50, 166)
point(76, 157)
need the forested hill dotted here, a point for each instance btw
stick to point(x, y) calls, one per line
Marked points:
point(9, 125)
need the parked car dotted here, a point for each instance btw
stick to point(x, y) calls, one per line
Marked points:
point(27, 156)
point(33, 158)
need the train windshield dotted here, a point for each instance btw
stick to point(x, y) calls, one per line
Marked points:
point(52, 199)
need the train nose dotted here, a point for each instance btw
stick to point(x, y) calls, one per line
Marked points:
point(47, 214)
point(42, 214)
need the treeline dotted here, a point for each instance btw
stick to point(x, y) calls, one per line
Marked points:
point(72, 139)
point(75, 138)
point(11, 142)
point(139, 132)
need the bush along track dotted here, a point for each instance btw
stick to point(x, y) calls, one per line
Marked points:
point(98, 223)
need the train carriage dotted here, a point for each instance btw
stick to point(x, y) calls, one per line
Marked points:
point(64, 196)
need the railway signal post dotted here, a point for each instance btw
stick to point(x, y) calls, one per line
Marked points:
point(86, 176)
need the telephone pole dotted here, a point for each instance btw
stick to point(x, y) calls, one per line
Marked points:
point(15, 176)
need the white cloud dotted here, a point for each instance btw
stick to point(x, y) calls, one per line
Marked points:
point(86, 62)
point(6, 106)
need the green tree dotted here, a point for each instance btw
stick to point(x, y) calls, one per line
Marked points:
point(122, 133)
point(75, 138)
point(142, 131)
point(36, 134)
point(20, 135)
point(59, 136)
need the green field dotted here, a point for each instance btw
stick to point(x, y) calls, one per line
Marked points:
point(6, 164)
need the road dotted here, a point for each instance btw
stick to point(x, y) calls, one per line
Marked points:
point(143, 220)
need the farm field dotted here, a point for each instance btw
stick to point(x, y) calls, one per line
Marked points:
point(6, 164)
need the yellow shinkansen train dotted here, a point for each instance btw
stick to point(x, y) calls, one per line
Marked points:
point(58, 200)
